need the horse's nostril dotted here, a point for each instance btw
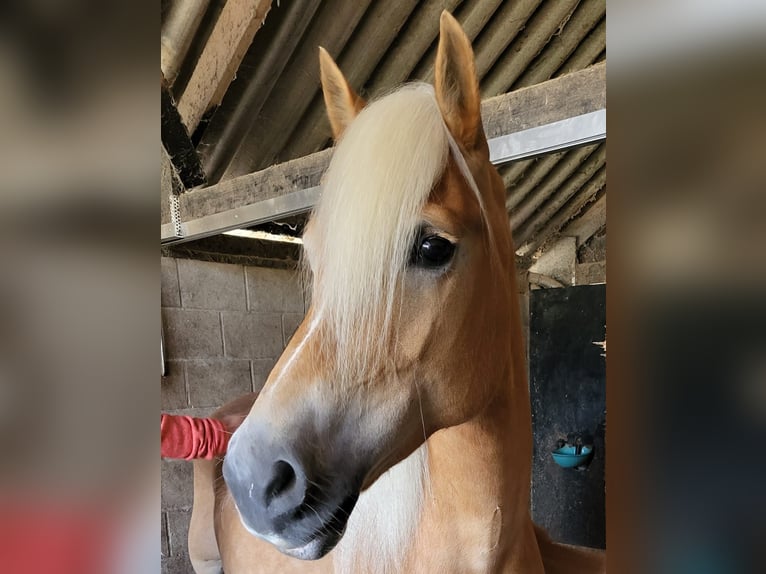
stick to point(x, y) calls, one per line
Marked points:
point(283, 479)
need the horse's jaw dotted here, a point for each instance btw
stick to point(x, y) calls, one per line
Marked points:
point(328, 535)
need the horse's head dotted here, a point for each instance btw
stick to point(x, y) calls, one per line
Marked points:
point(408, 331)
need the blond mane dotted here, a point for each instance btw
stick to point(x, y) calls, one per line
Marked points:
point(384, 522)
point(381, 174)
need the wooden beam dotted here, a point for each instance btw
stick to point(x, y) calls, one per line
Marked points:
point(231, 37)
point(554, 100)
point(176, 141)
point(274, 181)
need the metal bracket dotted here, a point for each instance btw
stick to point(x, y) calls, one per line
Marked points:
point(549, 138)
point(172, 231)
point(291, 203)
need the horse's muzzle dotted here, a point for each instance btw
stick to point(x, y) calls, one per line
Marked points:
point(283, 500)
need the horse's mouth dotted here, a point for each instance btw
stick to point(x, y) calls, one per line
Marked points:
point(327, 536)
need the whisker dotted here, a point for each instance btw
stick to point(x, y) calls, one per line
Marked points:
point(422, 417)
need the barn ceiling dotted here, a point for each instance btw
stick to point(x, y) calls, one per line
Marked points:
point(260, 104)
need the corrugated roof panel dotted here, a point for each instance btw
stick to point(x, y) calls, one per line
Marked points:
point(509, 20)
point(473, 17)
point(572, 162)
point(273, 111)
point(262, 66)
point(588, 52)
point(368, 44)
point(556, 197)
point(562, 44)
point(550, 18)
point(331, 27)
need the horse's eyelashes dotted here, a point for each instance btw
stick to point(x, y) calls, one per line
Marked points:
point(432, 251)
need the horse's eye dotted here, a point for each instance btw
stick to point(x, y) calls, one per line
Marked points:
point(432, 251)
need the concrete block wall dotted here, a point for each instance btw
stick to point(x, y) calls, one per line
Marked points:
point(224, 327)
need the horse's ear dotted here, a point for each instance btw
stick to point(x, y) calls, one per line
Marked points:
point(343, 103)
point(457, 89)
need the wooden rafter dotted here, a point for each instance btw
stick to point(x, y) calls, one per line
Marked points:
point(177, 143)
point(231, 37)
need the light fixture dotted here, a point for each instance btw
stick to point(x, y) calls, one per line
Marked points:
point(264, 236)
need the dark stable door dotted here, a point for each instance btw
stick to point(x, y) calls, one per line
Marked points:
point(568, 393)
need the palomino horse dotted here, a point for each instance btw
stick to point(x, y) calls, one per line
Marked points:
point(394, 433)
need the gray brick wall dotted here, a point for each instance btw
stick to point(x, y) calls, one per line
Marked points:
point(224, 327)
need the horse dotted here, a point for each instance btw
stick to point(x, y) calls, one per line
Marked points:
point(394, 433)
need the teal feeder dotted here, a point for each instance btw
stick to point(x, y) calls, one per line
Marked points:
point(567, 457)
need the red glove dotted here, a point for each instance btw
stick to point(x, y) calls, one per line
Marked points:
point(189, 438)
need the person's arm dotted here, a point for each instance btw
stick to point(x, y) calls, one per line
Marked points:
point(189, 438)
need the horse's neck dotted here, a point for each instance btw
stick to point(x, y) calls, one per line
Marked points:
point(477, 511)
point(460, 503)
point(385, 520)
point(475, 515)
